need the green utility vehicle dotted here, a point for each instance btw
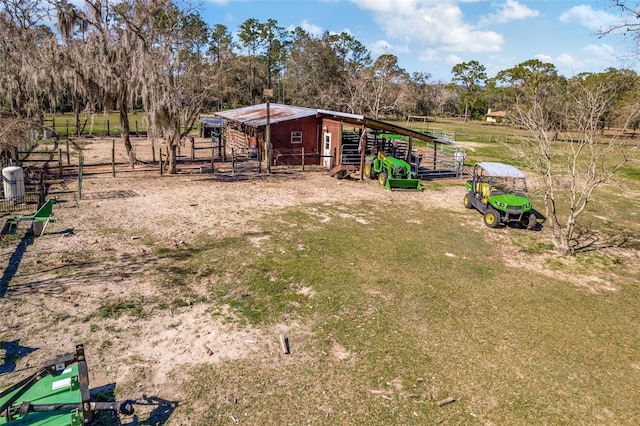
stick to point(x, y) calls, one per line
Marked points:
point(392, 173)
point(499, 192)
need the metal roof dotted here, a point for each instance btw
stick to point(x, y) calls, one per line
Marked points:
point(256, 115)
point(500, 170)
point(211, 121)
point(341, 114)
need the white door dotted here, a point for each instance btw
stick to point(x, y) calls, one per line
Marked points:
point(326, 159)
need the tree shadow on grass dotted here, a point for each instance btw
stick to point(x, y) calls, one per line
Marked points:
point(13, 351)
point(14, 263)
point(587, 240)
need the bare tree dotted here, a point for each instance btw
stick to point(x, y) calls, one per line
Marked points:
point(571, 169)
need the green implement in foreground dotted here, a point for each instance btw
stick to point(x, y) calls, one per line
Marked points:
point(56, 395)
point(40, 219)
point(392, 173)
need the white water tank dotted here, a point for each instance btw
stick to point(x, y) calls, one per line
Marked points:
point(13, 180)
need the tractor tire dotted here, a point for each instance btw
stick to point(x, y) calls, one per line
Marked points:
point(492, 218)
point(382, 178)
point(530, 222)
point(467, 202)
point(368, 171)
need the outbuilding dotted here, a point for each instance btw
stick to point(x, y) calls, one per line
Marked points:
point(317, 136)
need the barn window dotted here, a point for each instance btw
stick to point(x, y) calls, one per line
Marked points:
point(296, 137)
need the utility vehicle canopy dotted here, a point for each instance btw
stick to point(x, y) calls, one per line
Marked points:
point(500, 170)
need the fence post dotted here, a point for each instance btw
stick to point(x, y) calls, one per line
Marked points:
point(68, 159)
point(303, 158)
point(333, 158)
point(108, 129)
point(80, 170)
point(233, 161)
point(259, 158)
point(193, 148)
point(161, 164)
point(60, 161)
point(113, 157)
point(213, 152)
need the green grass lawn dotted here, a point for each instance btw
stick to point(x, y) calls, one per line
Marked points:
point(99, 124)
point(403, 311)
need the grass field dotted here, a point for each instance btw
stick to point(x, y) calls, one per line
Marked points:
point(394, 308)
point(408, 310)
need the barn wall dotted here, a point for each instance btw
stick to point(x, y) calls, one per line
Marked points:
point(285, 152)
point(236, 139)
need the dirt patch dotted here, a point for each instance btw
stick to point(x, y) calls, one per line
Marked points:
point(106, 233)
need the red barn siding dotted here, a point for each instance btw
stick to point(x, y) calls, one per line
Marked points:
point(285, 152)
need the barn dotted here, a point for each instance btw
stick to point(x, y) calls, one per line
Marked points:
point(322, 137)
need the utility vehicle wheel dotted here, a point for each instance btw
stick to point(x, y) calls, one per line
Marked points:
point(382, 178)
point(467, 202)
point(530, 221)
point(491, 218)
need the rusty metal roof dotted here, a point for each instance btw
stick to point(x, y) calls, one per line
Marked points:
point(256, 115)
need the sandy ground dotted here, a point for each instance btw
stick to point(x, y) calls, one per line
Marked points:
point(45, 313)
point(102, 235)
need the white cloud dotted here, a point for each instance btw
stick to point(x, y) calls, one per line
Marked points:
point(453, 59)
point(381, 47)
point(604, 51)
point(585, 15)
point(429, 55)
point(544, 58)
point(312, 29)
point(431, 23)
point(509, 11)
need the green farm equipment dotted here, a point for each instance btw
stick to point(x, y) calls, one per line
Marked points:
point(392, 173)
point(499, 192)
point(55, 395)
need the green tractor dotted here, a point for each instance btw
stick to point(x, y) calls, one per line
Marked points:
point(392, 173)
point(499, 192)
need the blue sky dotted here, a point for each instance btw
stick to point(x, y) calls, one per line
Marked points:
point(433, 35)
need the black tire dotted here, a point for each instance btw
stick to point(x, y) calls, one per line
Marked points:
point(467, 202)
point(382, 178)
point(492, 218)
point(530, 222)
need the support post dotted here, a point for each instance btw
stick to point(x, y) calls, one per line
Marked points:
point(233, 161)
point(113, 158)
point(213, 156)
point(60, 162)
point(302, 160)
